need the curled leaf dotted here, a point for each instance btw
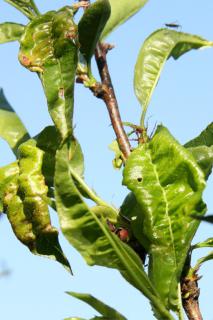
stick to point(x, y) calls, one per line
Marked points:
point(91, 236)
point(203, 244)
point(167, 185)
point(24, 196)
point(91, 26)
point(49, 47)
point(156, 49)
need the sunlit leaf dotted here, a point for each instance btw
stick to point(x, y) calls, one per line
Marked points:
point(10, 31)
point(205, 138)
point(102, 308)
point(120, 12)
point(156, 49)
point(27, 7)
point(201, 148)
point(91, 236)
point(23, 194)
point(48, 47)
point(167, 185)
point(200, 261)
point(91, 26)
point(11, 127)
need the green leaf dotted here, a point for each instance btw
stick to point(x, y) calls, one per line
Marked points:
point(10, 31)
point(167, 185)
point(48, 46)
point(98, 305)
point(201, 148)
point(203, 244)
point(204, 158)
point(120, 12)
point(24, 197)
point(156, 49)
point(200, 261)
point(91, 236)
point(11, 127)
point(204, 139)
point(119, 158)
point(48, 140)
point(91, 26)
point(27, 7)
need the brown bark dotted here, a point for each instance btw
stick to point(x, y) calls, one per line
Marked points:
point(190, 296)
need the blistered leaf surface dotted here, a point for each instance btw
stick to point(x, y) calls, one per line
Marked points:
point(167, 185)
point(49, 47)
point(91, 236)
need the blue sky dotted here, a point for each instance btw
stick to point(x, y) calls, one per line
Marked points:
point(183, 101)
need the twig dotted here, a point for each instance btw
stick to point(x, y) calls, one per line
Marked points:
point(190, 295)
point(108, 96)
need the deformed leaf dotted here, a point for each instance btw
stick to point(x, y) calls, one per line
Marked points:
point(167, 185)
point(11, 127)
point(48, 46)
point(102, 308)
point(24, 197)
point(48, 140)
point(156, 49)
point(91, 26)
point(10, 31)
point(91, 236)
point(120, 12)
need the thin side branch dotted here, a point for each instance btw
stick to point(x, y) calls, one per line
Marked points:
point(110, 99)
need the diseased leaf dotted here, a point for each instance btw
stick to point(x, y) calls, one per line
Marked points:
point(48, 140)
point(10, 31)
point(27, 7)
point(102, 308)
point(24, 197)
point(91, 26)
point(156, 49)
point(91, 236)
point(207, 243)
point(167, 185)
point(201, 148)
point(49, 47)
point(120, 12)
point(11, 127)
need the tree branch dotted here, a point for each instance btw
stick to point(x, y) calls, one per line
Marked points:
point(190, 295)
point(110, 99)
